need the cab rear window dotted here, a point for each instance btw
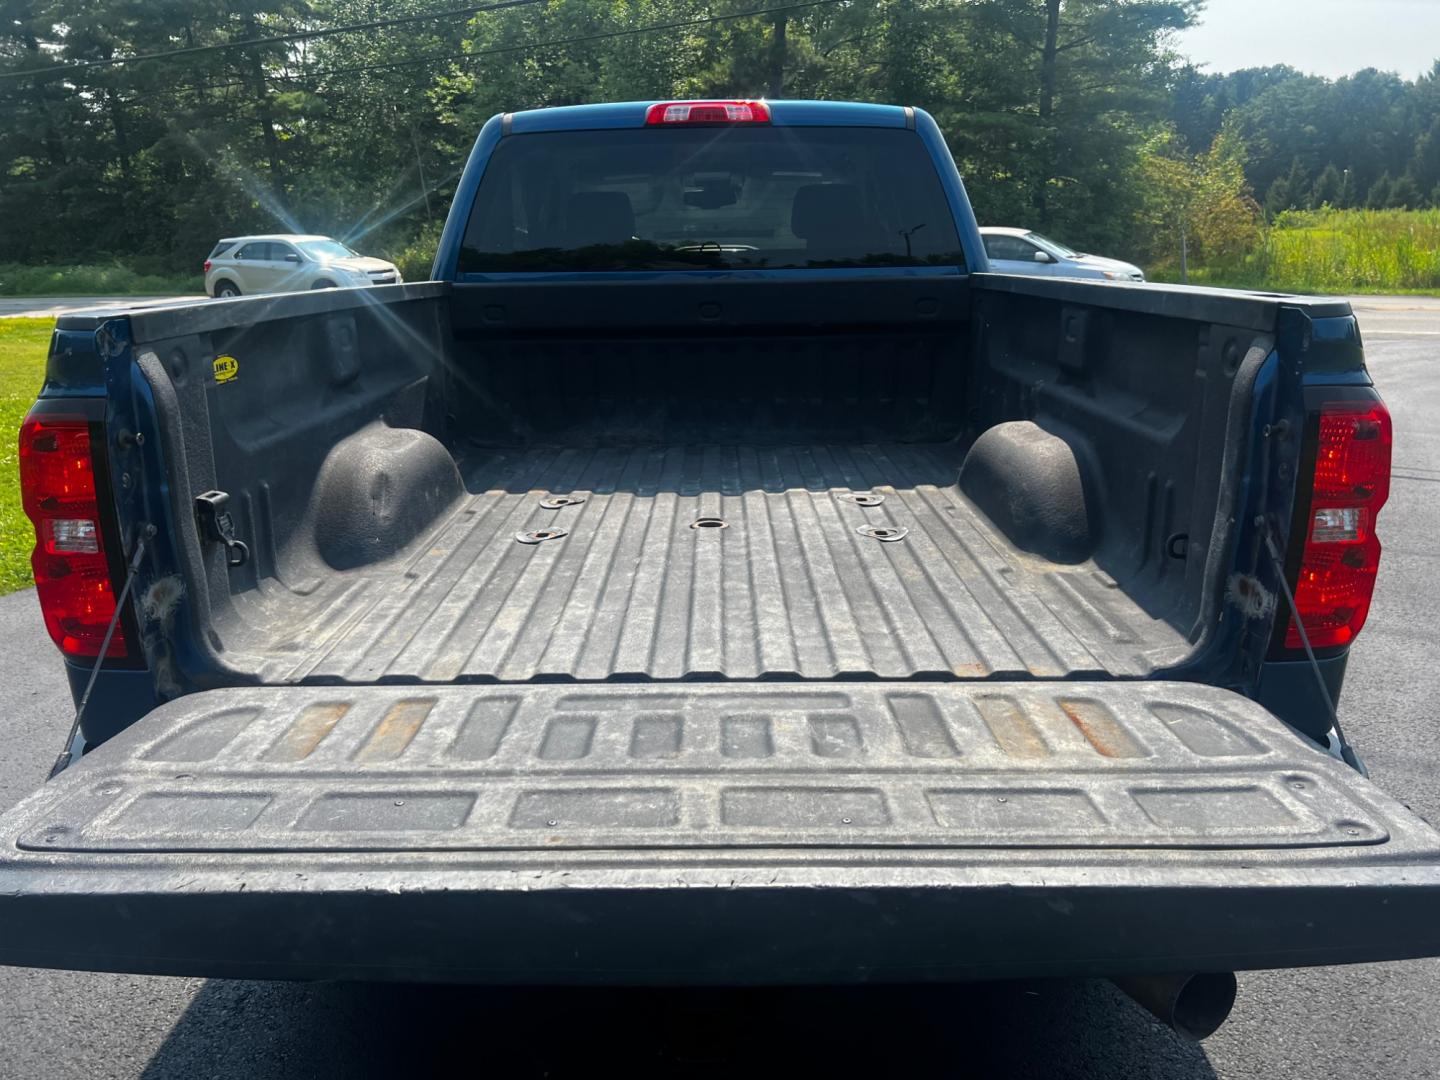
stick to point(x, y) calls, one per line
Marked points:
point(746, 197)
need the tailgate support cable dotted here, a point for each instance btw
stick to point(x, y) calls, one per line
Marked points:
point(63, 761)
point(1346, 753)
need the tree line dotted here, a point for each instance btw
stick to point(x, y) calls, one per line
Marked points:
point(1077, 117)
point(1366, 141)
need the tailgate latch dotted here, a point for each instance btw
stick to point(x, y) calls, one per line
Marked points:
point(217, 525)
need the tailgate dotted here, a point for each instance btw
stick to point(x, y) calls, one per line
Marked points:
point(712, 833)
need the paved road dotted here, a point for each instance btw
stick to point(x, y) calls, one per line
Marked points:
point(1370, 1021)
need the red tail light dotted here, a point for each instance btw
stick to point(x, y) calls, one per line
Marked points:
point(708, 112)
point(72, 573)
point(1342, 552)
point(207, 266)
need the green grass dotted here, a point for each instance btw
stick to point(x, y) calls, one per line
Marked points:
point(110, 280)
point(1336, 251)
point(23, 345)
point(1354, 251)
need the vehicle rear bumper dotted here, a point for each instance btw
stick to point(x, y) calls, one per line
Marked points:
point(754, 923)
point(617, 834)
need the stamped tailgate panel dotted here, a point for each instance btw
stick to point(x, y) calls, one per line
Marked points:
point(374, 769)
point(777, 831)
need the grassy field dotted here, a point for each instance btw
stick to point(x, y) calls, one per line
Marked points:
point(23, 343)
point(1337, 251)
point(18, 280)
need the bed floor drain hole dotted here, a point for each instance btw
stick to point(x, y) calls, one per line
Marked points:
point(555, 502)
point(709, 523)
point(863, 498)
point(886, 534)
point(539, 536)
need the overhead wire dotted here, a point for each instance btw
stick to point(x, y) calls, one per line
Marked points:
point(300, 78)
point(678, 24)
point(273, 39)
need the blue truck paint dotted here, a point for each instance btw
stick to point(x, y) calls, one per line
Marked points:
point(331, 852)
point(447, 252)
point(1317, 351)
point(632, 114)
point(975, 258)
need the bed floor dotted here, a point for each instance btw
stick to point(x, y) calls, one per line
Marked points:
point(787, 587)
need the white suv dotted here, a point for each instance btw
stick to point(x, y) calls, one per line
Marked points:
point(1020, 251)
point(285, 262)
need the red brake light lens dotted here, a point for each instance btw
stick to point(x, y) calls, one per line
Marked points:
point(72, 574)
point(1342, 552)
point(207, 266)
point(708, 112)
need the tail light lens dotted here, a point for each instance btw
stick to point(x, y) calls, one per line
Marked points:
point(708, 112)
point(72, 572)
point(207, 266)
point(1342, 552)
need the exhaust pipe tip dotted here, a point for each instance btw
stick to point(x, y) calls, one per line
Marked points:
point(1192, 1004)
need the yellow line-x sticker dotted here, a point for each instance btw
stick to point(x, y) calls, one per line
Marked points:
point(226, 369)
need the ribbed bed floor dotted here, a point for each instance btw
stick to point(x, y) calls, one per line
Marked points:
point(787, 587)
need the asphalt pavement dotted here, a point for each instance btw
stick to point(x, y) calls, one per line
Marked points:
point(1378, 1020)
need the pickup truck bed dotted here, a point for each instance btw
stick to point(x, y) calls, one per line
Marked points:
point(786, 587)
point(381, 480)
point(628, 606)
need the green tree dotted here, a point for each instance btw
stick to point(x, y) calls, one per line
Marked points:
point(1200, 207)
point(1171, 181)
point(1279, 198)
point(1051, 107)
point(1227, 218)
point(1328, 185)
point(1349, 195)
point(1298, 181)
point(1054, 101)
point(1382, 193)
point(1405, 194)
point(1367, 123)
point(1425, 166)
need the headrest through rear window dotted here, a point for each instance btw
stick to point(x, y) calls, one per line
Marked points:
point(599, 217)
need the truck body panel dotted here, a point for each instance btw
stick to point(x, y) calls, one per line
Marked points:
point(676, 616)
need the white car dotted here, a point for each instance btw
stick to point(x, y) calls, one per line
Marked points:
point(285, 262)
point(1020, 251)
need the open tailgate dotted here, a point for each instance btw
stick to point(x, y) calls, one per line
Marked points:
point(712, 833)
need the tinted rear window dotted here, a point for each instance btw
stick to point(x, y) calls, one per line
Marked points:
point(707, 198)
point(221, 248)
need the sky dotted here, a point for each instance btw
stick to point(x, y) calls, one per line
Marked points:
point(1323, 37)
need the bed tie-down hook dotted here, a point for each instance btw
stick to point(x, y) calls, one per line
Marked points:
point(216, 524)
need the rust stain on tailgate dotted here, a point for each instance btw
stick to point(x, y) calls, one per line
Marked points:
point(307, 732)
point(1100, 728)
point(1012, 728)
point(395, 731)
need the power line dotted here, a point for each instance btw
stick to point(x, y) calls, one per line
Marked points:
point(553, 42)
point(312, 77)
point(275, 39)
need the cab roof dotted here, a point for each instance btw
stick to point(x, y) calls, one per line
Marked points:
point(631, 114)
